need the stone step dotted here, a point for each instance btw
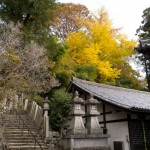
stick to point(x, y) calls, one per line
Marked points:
point(18, 131)
point(30, 147)
point(25, 140)
point(5, 116)
point(21, 138)
point(14, 134)
point(17, 126)
point(17, 136)
point(13, 117)
point(25, 143)
point(16, 122)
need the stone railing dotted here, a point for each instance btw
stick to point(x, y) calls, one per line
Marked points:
point(38, 115)
point(35, 113)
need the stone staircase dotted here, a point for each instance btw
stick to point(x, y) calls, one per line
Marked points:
point(19, 133)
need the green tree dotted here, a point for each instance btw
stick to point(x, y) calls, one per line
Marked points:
point(55, 48)
point(144, 30)
point(60, 106)
point(130, 78)
point(144, 33)
point(64, 78)
point(34, 15)
point(86, 72)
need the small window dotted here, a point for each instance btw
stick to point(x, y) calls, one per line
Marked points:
point(93, 107)
point(77, 106)
point(118, 145)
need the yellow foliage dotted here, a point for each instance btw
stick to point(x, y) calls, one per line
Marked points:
point(77, 40)
point(90, 54)
point(107, 73)
point(100, 45)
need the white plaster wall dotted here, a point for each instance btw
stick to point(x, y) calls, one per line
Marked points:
point(118, 132)
point(114, 115)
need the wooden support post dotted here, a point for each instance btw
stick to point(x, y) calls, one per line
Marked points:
point(104, 115)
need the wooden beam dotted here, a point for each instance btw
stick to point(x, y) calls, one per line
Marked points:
point(114, 121)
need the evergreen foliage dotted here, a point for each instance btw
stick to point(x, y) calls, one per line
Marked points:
point(34, 15)
point(60, 106)
point(144, 30)
point(144, 34)
point(86, 72)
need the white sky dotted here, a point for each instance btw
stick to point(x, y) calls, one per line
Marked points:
point(126, 14)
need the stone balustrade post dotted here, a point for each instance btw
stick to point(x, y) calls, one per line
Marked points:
point(46, 118)
point(16, 101)
point(21, 99)
point(4, 102)
point(26, 104)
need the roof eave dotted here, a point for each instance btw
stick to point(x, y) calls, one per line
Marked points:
point(131, 109)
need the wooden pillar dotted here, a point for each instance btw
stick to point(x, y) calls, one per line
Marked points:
point(85, 98)
point(130, 132)
point(104, 115)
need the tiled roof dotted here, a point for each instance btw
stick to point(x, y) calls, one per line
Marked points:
point(126, 98)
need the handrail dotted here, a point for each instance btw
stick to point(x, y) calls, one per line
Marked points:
point(29, 119)
point(36, 141)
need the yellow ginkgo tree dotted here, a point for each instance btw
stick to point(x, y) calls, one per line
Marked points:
point(100, 45)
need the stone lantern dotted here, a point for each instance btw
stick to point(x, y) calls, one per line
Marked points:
point(92, 114)
point(76, 124)
point(46, 106)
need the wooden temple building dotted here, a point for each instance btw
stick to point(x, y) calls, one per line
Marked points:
point(124, 113)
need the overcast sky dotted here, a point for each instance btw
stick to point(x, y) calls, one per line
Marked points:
point(123, 13)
